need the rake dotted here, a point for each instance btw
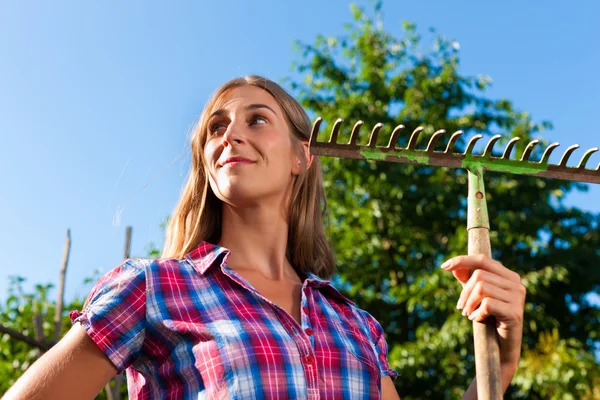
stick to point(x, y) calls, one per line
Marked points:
point(487, 354)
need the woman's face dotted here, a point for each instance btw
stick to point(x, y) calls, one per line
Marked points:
point(248, 150)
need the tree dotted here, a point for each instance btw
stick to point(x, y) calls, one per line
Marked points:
point(393, 224)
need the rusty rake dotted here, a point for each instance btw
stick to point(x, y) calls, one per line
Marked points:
point(487, 354)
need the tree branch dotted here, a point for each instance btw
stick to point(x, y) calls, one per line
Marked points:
point(29, 340)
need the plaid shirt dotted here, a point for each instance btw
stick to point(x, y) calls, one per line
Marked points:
point(195, 329)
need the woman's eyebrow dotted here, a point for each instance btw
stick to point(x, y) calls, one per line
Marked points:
point(256, 106)
point(222, 111)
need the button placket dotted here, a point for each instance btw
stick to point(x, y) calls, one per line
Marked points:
point(305, 317)
point(309, 361)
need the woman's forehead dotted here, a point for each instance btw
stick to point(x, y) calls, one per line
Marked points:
point(243, 96)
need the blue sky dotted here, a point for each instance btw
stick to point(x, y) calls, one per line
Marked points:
point(97, 98)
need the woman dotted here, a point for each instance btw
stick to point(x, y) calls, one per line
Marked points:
point(239, 305)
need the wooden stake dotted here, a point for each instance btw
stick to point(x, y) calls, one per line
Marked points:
point(38, 327)
point(127, 242)
point(61, 288)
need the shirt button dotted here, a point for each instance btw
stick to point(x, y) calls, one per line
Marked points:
point(305, 309)
point(308, 331)
point(309, 359)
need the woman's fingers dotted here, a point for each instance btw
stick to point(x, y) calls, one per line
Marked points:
point(503, 312)
point(480, 290)
point(484, 279)
point(471, 263)
point(491, 289)
point(487, 308)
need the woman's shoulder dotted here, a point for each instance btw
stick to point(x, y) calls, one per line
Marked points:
point(169, 275)
point(151, 266)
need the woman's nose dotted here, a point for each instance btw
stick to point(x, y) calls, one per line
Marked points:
point(232, 135)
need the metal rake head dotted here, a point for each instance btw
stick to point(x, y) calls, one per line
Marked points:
point(448, 158)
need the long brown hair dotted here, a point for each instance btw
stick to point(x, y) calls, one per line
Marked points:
point(197, 215)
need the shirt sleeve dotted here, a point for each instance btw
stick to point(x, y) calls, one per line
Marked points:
point(381, 347)
point(114, 315)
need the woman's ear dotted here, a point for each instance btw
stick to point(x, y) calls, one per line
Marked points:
point(307, 156)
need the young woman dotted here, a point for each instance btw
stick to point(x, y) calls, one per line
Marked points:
point(239, 305)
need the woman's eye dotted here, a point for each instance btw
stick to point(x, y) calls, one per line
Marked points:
point(215, 127)
point(258, 121)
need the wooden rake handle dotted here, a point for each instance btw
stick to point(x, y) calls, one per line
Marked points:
point(487, 350)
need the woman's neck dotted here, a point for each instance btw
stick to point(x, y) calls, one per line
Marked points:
point(257, 238)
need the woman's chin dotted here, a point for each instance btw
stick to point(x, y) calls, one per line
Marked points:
point(237, 196)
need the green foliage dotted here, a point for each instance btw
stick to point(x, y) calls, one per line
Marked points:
point(393, 224)
point(18, 313)
point(559, 369)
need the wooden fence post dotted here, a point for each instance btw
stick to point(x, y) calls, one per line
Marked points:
point(61, 288)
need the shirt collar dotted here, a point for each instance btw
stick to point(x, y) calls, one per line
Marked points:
point(205, 255)
point(315, 280)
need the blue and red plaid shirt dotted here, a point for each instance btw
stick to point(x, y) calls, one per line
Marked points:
point(195, 329)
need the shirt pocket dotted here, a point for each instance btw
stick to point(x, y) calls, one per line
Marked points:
point(357, 344)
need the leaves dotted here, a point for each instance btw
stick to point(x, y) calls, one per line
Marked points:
point(558, 369)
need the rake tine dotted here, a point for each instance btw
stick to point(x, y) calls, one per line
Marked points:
point(548, 151)
point(509, 147)
point(354, 134)
point(374, 134)
point(587, 156)
point(315, 129)
point(452, 141)
point(434, 139)
point(529, 150)
point(394, 137)
point(412, 142)
point(471, 144)
point(565, 157)
point(335, 131)
point(490, 145)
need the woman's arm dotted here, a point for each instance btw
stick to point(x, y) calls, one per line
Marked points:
point(388, 390)
point(75, 368)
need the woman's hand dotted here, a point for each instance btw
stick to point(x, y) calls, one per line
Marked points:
point(491, 289)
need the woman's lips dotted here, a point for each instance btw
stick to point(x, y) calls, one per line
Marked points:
point(238, 163)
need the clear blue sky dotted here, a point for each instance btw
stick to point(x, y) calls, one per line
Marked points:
point(96, 99)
